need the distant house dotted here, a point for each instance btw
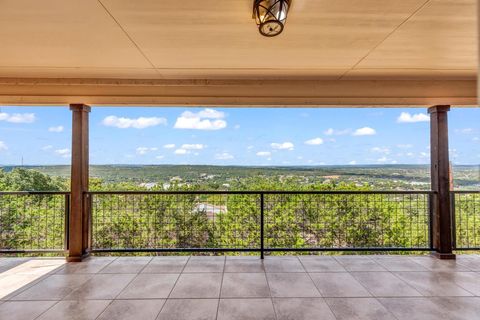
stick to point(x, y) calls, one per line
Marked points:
point(210, 210)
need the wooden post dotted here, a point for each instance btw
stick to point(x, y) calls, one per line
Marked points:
point(440, 176)
point(78, 221)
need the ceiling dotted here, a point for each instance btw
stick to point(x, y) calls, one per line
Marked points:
point(324, 40)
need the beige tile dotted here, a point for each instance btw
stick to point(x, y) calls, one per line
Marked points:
point(434, 264)
point(469, 281)
point(471, 262)
point(126, 265)
point(197, 285)
point(297, 285)
point(246, 309)
point(149, 286)
point(205, 264)
point(189, 309)
point(244, 264)
point(302, 309)
point(358, 309)
point(54, 287)
point(102, 286)
point(433, 283)
point(283, 264)
point(462, 308)
point(132, 310)
point(37, 266)
point(244, 285)
point(91, 265)
point(399, 264)
point(321, 264)
point(23, 310)
point(385, 284)
point(359, 263)
point(13, 284)
point(338, 285)
point(413, 309)
point(75, 310)
point(169, 264)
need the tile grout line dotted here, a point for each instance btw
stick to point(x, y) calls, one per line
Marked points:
point(173, 287)
point(221, 286)
point(112, 300)
point(269, 290)
point(321, 295)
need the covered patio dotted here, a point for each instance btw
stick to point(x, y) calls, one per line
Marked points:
point(111, 53)
point(242, 287)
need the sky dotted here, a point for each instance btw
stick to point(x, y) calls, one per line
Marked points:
point(236, 136)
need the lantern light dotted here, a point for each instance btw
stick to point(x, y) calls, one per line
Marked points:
point(270, 16)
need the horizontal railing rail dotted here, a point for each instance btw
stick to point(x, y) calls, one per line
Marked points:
point(33, 222)
point(260, 221)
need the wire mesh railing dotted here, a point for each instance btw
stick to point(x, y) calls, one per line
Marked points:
point(33, 221)
point(261, 221)
point(466, 213)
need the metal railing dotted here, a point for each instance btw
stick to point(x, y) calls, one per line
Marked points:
point(466, 216)
point(260, 221)
point(33, 221)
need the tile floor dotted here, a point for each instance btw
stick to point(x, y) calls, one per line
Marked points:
point(227, 288)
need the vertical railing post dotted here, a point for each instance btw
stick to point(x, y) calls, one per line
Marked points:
point(262, 225)
point(66, 223)
point(78, 214)
point(440, 179)
point(454, 219)
point(430, 220)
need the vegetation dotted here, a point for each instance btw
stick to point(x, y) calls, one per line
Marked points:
point(328, 220)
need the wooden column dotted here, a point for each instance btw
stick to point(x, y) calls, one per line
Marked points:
point(440, 176)
point(78, 237)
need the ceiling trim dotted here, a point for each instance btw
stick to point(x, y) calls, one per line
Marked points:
point(237, 93)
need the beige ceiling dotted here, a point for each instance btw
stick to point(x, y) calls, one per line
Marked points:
point(217, 39)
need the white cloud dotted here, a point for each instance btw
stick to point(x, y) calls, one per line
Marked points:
point(3, 146)
point(145, 150)
point(169, 146)
point(333, 132)
point(314, 141)
point(384, 150)
point(424, 155)
point(353, 162)
point(17, 117)
point(465, 131)
point(404, 146)
point(56, 129)
point(236, 127)
point(476, 139)
point(138, 123)
point(181, 151)
point(250, 147)
point(196, 146)
point(48, 147)
point(382, 159)
point(365, 131)
point(160, 157)
point(224, 156)
point(282, 146)
point(64, 153)
point(264, 153)
point(207, 119)
point(406, 117)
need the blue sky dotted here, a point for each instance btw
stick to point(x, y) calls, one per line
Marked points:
point(226, 136)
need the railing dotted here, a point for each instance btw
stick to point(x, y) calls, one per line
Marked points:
point(466, 213)
point(33, 221)
point(260, 221)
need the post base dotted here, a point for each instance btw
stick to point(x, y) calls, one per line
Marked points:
point(77, 258)
point(444, 256)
